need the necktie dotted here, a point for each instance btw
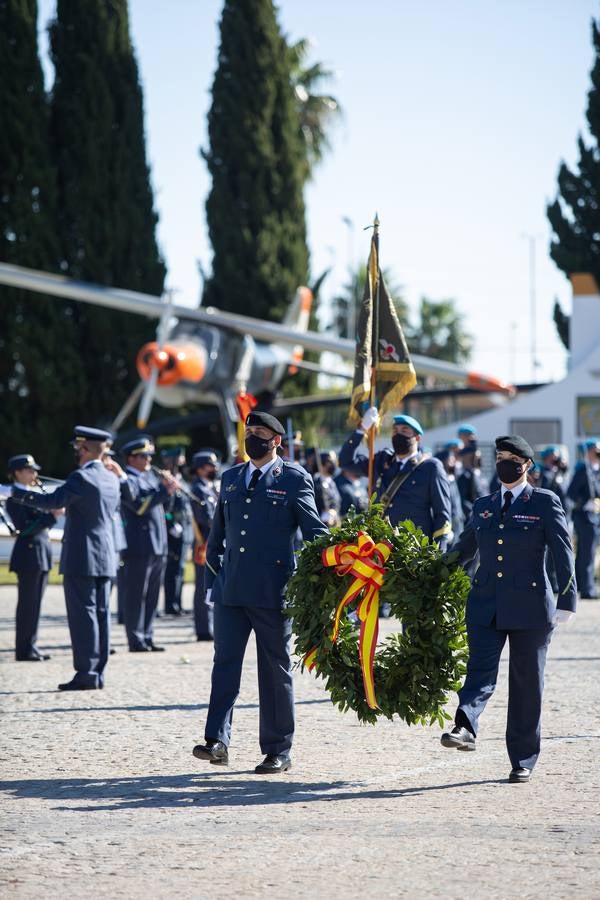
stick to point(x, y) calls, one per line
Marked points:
point(254, 480)
point(507, 502)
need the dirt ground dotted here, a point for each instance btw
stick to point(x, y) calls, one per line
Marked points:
point(100, 793)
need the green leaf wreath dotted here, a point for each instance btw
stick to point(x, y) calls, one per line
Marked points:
point(414, 670)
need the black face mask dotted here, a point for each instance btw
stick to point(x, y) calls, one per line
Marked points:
point(509, 471)
point(257, 447)
point(401, 443)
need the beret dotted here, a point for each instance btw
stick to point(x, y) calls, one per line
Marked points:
point(22, 461)
point(82, 433)
point(452, 445)
point(465, 428)
point(551, 450)
point(203, 458)
point(266, 420)
point(471, 447)
point(138, 445)
point(408, 420)
point(516, 444)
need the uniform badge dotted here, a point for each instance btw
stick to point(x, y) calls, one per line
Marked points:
point(230, 487)
point(486, 514)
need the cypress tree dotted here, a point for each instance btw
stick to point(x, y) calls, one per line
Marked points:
point(106, 220)
point(255, 210)
point(575, 214)
point(38, 355)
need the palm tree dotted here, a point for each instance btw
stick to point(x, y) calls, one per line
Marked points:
point(316, 111)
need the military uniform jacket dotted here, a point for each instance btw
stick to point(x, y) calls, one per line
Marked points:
point(178, 517)
point(424, 497)
point(552, 480)
point(511, 587)
point(90, 496)
point(204, 511)
point(31, 551)
point(352, 493)
point(584, 486)
point(471, 485)
point(327, 496)
point(143, 513)
point(250, 553)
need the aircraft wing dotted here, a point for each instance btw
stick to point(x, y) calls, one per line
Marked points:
point(270, 332)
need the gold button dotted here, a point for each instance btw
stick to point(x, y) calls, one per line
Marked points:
point(499, 574)
point(499, 558)
point(242, 549)
point(500, 541)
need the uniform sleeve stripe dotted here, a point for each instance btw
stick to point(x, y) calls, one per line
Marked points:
point(446, 529)
point(144, 506)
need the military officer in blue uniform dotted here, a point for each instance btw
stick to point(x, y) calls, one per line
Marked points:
point(143, 497)
point(447, 457)
point(327, 496)
point(205, 465)
point(470, 481)
point(553, 473)
point(511, 599)
point(31, 559)
point(178, 516)
point(409, 483)
point(584, 492)
point(90, 496)
point(249, 560)
point(351, 489)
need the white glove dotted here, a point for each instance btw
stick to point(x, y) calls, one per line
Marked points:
point(370, 418)
point(563, 616)
point(208, 595)
point(590, 506)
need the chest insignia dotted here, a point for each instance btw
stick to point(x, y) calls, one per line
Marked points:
point(230, 487)
point(527, 518)
point(278, 493)
point(486, 514)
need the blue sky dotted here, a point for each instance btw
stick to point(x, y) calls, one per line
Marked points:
point(456, 117)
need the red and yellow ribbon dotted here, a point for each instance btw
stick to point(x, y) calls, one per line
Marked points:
point(365, 561)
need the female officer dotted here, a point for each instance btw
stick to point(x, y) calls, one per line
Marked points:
point(511, 598)
point(31, 559)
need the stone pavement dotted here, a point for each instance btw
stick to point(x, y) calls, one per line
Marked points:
point(101, 795)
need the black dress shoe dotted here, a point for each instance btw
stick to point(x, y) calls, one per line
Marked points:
point(273, 763)
point(519, 776)
point(32, 656)
point(458, 739)
point(142, 648)
point(155, 648)
point(204, 637)
point(112, 651)
point(214, 751)
point(76, 686)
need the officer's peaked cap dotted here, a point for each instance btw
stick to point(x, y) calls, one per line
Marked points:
point(82, 433)
point(204, 458)
point(266, 420)
point(516, 444)
point(408, 420)
point(22, 461)
point(138, 446)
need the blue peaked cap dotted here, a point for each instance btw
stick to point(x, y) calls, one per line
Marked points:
point(408, 420)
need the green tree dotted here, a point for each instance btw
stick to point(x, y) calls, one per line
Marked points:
point(439, 332)
point(106, 220)
point(316, 111)
point(255, 209)
point(38, 349)
point(575, 213)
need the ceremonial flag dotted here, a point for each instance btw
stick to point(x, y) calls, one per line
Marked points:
point(383, 371)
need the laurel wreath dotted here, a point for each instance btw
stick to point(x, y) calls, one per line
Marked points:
point(415, 669)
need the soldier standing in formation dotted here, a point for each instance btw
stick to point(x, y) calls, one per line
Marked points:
point(511, 599)
point(205, 467)
point(250, 558)
point(31, 559)
point(470, 481)
point(410, 484)
point(447, 457)
point(584, 493)
point(90, 496)
point(351, 489)
point(178, 516)
point(322, 465)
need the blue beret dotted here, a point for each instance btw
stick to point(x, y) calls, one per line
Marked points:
point(22, 461)
point(203, 458)
point(551, 450)
point(452, 445)
point(465, 428)
point(137, 446)
point(82, 433)
point(587, 445)
point(408, 420)
point(266, 420)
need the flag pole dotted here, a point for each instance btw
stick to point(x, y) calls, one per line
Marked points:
point(374, 354)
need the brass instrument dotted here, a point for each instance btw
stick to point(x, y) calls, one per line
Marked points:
point(181, 487)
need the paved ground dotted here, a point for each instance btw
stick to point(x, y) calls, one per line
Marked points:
point(102, 795)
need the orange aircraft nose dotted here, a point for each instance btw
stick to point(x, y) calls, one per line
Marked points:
point(175, 362)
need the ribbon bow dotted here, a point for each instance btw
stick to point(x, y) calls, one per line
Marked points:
point(365, 561)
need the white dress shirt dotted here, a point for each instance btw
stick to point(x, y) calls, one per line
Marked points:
point(263, 469)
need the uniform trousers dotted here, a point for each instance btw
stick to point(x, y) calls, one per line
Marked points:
point(142, 580)
point(203, 608)
point(31, 586)
point(273, 631)
point(88, 614)
point(174, 572)
point(119, 580)
point(528, 649)
point(587, 539)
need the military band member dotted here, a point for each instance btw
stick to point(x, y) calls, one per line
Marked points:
point(90, 496)
point(511, 599)
point(178, 516)
point(584, 492)
point(31, 559)
point(410, 484)
point(143, 496)
point(205, 465)
point(249, 560)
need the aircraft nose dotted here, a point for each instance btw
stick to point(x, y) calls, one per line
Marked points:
point(174, 362)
